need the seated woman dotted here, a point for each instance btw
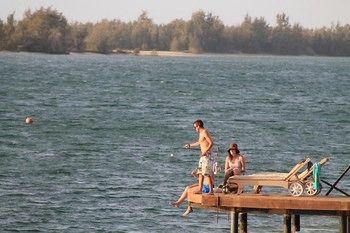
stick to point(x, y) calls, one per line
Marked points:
point(194, 188)
point(234, 163)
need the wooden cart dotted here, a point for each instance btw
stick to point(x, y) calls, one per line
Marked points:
point(295, 181)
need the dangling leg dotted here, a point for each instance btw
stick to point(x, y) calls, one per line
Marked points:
point(188, 211)
point(183, 196)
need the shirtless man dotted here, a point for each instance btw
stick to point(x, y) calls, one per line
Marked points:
point(205, 143)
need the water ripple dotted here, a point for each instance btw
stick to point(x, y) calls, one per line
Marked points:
point(105, 151)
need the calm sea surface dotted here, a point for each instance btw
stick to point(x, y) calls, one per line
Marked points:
point(98, 156)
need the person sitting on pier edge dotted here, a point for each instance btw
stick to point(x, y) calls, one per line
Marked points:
point(234, 163)
point(194, 188)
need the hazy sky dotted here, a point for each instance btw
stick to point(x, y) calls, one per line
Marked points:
point(309, 13)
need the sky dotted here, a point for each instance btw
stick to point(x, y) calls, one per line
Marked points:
point(309, 13)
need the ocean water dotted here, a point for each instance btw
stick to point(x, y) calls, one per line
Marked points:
point(98, 157)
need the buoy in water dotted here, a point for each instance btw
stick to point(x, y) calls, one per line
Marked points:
point(29, 120)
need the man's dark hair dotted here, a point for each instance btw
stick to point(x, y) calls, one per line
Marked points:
point(199, 123)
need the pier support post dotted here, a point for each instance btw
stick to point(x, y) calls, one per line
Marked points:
point(296, 223)
point(343, 223)
point(243, 228)
point(234, 222)
point(287, 223)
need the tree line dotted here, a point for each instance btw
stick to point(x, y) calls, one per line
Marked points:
point(48, 31)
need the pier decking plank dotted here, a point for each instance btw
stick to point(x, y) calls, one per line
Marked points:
point(271, 203)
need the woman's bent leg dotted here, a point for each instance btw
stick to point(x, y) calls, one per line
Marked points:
point(228, 174)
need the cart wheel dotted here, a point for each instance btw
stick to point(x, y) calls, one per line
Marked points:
point(309, 189)
point(296, 188)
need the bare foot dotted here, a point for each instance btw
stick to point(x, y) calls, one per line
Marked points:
point(187, 212)
point(174, 204)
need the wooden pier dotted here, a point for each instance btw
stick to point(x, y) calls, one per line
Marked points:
point(291, 207)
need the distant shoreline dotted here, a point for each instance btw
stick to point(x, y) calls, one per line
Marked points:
point(166, 53)
point(154, 53)
point(163, 53)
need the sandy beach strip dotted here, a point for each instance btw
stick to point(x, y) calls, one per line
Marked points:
point(166, 53)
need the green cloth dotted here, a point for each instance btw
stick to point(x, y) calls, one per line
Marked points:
point(316, 170)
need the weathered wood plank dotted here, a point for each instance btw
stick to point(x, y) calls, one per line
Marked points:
point(272, 202)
